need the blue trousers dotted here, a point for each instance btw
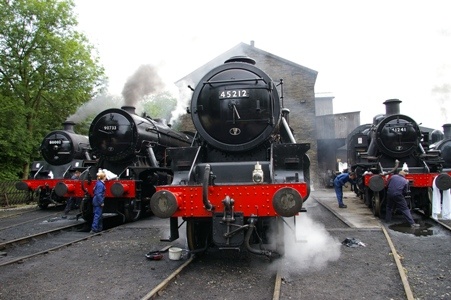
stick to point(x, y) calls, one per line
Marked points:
point(339, 193)
point(400, 203)
point(97, 224)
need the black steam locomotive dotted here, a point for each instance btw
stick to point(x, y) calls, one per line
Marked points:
point(246, 173)
point(394, 142)
point(442, 143)
point(63, 151)
point(131, 151)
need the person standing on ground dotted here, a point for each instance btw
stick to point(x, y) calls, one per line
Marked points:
point(339, 182)
point(98, 202)
point(71, 200)
point(396, 190)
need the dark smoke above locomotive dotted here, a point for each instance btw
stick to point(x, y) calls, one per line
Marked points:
point(247, 172)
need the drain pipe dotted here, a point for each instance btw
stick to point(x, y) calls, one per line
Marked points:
point(267, 253)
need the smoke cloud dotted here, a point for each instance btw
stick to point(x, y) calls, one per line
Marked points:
point(142, 83)
point(94, 107)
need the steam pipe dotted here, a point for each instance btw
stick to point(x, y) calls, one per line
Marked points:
point(392, 170)
point(267, 253)
point(288, 130)
point(152, 158)
point(205, 200)
point(67, 170)
point(39, 170)
point(87, 155)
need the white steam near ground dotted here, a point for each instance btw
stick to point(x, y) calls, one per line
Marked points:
point(312, 247)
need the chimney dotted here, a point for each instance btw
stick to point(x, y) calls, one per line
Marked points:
point(68, 125)
point(392, 107)
point(252, 44)
point(129, 109)
point(447, 131)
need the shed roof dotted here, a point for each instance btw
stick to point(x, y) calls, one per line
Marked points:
point(239, 49)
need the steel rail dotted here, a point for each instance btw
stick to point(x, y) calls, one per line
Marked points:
point(162, 285)
point(19, 259)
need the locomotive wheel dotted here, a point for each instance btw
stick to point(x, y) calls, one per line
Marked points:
point(37, 195)
point(43, 205)
point(131, 215)
point(198, 234)
point(367, 197)
point(376, 204)
point(86, 209)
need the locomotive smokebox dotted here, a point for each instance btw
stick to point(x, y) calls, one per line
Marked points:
point(129, 109)
point(392, 107)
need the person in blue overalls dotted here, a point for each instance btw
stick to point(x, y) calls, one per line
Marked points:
point(396, 190)
point(97, 202)
point(339, 182)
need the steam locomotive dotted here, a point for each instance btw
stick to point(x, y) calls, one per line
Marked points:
point(442, 143)
point(63, 151)
point(246, 173)
point(376, 152)
point(131, 151)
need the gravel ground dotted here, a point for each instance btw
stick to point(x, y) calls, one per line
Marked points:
point(113, 266)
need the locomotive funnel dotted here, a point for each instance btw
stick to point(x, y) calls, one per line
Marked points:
point(129, 109)
point(245, 59)
point(447, 131)
point(69, 125)
point(392, 107)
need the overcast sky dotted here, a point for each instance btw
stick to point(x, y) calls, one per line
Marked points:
point(365, 52)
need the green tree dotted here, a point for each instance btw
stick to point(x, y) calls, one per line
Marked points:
point(160, 106)
point(47, 70)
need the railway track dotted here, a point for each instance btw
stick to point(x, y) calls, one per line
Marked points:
point(164, 290)
point(40, 243)
point(43, 234)
point(113, 266)
point(29, 221)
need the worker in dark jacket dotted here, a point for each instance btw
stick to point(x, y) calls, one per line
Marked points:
point(339, 182)
point(396, 191)
point(97, 202)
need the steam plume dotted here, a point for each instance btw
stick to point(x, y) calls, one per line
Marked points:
point(143, 82)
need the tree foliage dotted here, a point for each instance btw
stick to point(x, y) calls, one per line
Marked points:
point(47, 70)
point(159, 106)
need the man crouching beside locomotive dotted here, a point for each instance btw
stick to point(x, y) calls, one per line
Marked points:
point(339, 182)
point(97, 202)
point(396, 190)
